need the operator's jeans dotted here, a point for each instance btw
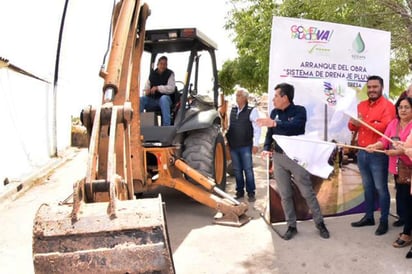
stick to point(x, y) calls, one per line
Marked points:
point(373, 168)
point(242, 162)
point(152, 104)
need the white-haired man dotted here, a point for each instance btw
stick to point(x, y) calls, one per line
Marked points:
point(243, 138)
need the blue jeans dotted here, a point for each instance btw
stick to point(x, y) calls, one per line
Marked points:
point(242, 162)
point(151, 104)
point(373, 168)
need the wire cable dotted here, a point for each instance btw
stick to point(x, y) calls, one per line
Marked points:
point(110, 36)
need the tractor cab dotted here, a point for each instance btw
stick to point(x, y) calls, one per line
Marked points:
point(191, 56)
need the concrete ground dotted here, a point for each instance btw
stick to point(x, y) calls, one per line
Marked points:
point(257, 248)
point(199, 246)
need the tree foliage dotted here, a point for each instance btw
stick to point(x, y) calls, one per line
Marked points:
point(250, 21)
point(252, 28)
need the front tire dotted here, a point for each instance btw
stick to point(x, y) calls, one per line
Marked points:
point(204, 151)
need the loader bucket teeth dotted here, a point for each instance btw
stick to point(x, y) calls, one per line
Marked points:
point(135, 242)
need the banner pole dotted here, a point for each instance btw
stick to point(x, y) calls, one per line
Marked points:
point(332, 143)
point(358, 147)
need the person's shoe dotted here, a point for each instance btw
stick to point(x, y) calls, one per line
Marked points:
point(402, 241)
point(363, 222)
point(409, 254)
point(382, 228)
point(398, 223)
point(251, 197)
point(323, 231)
point(292, 231)
point(239, 195)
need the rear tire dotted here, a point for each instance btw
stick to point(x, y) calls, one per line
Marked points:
point(204, 151)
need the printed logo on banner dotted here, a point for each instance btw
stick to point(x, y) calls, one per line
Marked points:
point(358, 46)
point(315, 36)
point(311, 34)
point(319, 50)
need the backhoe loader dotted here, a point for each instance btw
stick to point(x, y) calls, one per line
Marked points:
point(105, 228)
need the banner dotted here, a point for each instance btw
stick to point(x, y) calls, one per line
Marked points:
point(328, 64)
point(304, 53)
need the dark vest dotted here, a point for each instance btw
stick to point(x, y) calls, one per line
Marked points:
point(157, 79)
point(240, 131)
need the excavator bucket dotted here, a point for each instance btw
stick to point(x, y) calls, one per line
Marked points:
point(135, 241)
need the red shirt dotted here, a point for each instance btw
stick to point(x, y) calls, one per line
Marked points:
point(377, 114)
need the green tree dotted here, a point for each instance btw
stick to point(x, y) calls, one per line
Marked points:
point(251, 25)
point(250, 21)
point(242, 72)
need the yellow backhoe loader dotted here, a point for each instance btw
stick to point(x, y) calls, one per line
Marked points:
point(106, 229)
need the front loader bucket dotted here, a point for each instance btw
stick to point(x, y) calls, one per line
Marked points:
point(134, 242)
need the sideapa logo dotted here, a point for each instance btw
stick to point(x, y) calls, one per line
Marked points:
point(358, 46)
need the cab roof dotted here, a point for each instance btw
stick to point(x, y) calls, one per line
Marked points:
point(177, 40)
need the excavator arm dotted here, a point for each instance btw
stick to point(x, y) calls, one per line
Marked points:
point(105, 230)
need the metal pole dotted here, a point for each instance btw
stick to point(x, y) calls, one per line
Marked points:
point(325, 132)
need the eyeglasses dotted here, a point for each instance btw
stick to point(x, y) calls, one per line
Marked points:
point(404, 107)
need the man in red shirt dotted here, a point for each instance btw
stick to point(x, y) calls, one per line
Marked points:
point(377, 112)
